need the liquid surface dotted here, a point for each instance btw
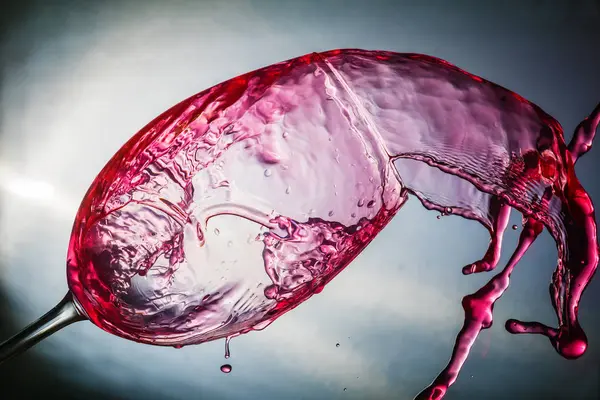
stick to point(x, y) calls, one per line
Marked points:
point(241, 202)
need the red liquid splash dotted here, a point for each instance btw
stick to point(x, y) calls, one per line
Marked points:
point(243, 201)
point(569, 340)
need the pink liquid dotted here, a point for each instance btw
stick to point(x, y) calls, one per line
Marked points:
point(226, 368)
point(241, 202)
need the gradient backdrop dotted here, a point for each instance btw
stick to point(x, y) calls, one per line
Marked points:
point(79, 78)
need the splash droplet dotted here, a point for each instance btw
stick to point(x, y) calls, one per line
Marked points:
point(337, 345)
point(271, 292)
point(268, 172)
point(217, 232)
point(226, 368)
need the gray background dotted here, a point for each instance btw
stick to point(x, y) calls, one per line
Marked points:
point(79, 78)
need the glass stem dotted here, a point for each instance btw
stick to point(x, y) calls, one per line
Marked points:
point(65, 313)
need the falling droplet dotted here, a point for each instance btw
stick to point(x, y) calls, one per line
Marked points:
point(217, 231)
point(345, 389)
point(353, 215)
point(337, 345)
point(331, 213)
point(515, 227)
point(288, 190)
point(227, 353)
point(226, 368)
point(268, 172)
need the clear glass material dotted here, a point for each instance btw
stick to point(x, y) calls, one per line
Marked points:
point(65, 313)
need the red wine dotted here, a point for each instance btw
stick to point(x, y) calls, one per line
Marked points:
point(241, 202)
point(226, 368)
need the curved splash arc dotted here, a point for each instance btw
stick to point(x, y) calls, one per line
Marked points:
point(569, 340)
point(150, 259)
point(544, 163)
